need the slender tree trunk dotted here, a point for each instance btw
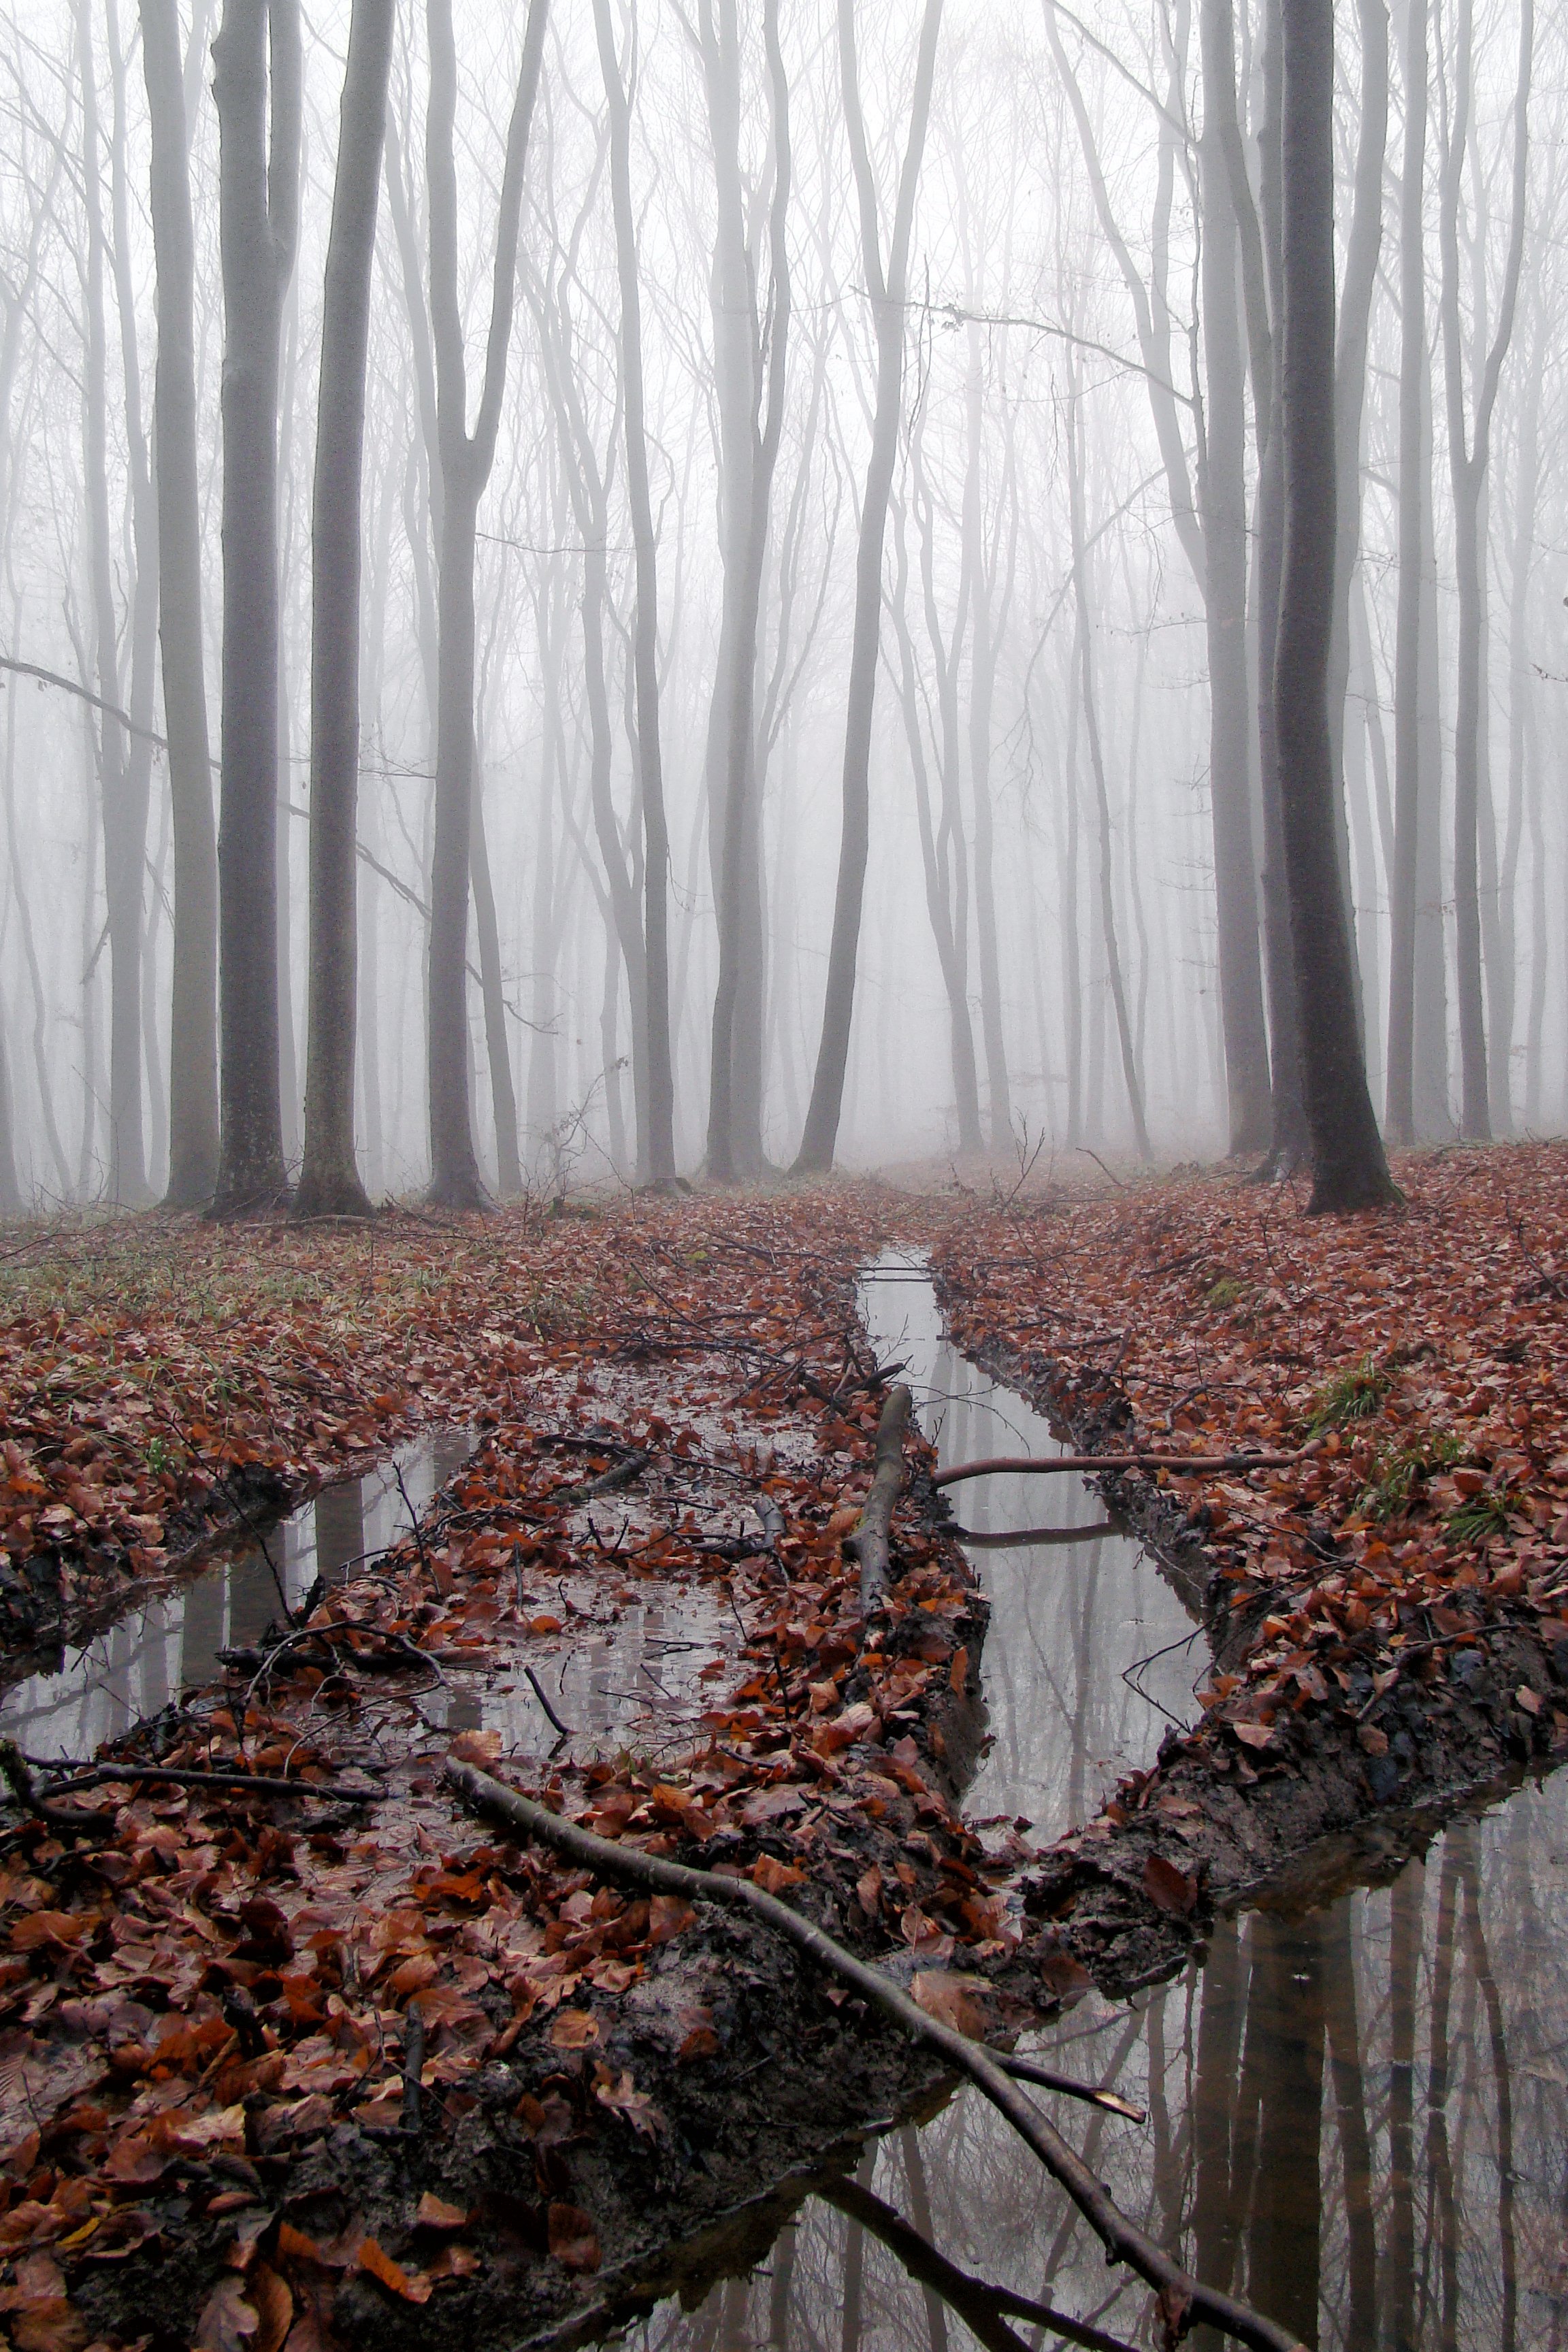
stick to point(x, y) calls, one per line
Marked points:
point(258, 62)
point(465, 460)
point(1414, 488)
point(1348, 1171)
point(644, 647)
point(193, 1011)
point(887, 293)
point(330, 1182)
point(498, 1048)
point(752, 423)
point(1468, 457)
point(1223, 499)
point(1097, 764)
point(123, 781)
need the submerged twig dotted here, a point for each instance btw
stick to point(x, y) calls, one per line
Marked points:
point(1085, 1464)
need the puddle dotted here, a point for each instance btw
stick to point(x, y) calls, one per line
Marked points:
point(1090, 1655)
point(134, 1667)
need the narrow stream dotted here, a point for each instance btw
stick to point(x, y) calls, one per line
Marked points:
point(1358, 2117)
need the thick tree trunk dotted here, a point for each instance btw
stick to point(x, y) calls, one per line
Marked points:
point(1348, 1171)
point(192, 1012)
point(645, 644)
point(258, 197)
point(1287, 1140)
point(330, 1182)
point(887, 293)
point(1414, 489)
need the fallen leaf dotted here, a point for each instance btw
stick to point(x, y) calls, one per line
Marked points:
point(574, 2242)
point(1254, 1735)
point(412, 2287)
point(433, 2212)
point(1373, 1741)
point(958, 1673)
point(229, 2319)
point(1168, 1888)
point(622, 2098)
point(868, 1892)
point(573, 2029)
point(772, 1875)
point(949, 1997)
point(479, 1748)
point(274, 2308)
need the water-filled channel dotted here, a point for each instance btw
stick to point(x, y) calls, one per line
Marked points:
point(1358, 2118)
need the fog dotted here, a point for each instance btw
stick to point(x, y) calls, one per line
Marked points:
point(901, 377)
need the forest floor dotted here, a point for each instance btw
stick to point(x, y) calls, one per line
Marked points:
point(277, 2069)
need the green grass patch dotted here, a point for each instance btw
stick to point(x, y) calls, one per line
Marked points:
point(1399, 1471)
point(1355, 1394)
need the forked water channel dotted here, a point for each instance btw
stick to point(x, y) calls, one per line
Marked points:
point(1357, 2113)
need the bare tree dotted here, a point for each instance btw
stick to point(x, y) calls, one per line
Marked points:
point(887, 292)
point(660, 1165)
point(1348, 1171)
point(1413, 487)
point(193, 1018)
point(1469, 454)
point(257, 56)
point(465, 462)
point(329, 1181)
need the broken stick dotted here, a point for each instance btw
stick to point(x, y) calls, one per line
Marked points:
point(870, 1541)
point(1184, 2300)
point(998, 1465)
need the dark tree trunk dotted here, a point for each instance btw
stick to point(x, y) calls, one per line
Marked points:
point(192, 1012)
point(465, 460)
point(1348, 1171)
point(827, 1104)
point(258, 43)
point(1287, 1140)
point(645, 643)
point(329, 1181)
point(1413, 491)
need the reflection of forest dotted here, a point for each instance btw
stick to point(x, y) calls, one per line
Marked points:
point(1414, 2037)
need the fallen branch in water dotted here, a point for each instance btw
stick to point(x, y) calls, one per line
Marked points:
point(1191, 1464)
point(979, 2305)
point(870, 1541)
point(1183, 2301)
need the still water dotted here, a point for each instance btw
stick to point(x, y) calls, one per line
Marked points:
point(1358, 2117)
point(134, 1667)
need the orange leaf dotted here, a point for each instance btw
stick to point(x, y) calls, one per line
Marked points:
point(573, 2029)
point(392, 2276)
point(958, 1673)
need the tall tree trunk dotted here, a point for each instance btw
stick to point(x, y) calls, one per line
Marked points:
point(465, 460)
point(645, 644)
point(1288, 1141)
point(1468, 457)
point(258, 72)
point(330, 1182)
point(1097, 765)
point(193, 1011)
point(498, 1048)
point(1348, 1171)
point(1223, 498)
point(122, 778)
point(750, 399)
point(887, 294)
point(1414, 489)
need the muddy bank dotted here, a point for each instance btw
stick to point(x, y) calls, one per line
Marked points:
point(1238, 1805)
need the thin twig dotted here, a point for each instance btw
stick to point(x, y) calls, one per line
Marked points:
point(1184, 1464)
